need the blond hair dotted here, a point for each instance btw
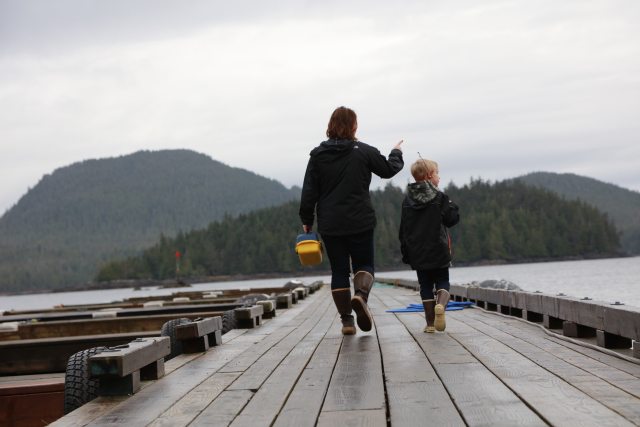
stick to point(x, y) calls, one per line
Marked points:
point(423, 169)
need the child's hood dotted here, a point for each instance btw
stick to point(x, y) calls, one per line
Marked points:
point(421, 193)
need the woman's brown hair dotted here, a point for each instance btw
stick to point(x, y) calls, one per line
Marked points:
point(342, 124)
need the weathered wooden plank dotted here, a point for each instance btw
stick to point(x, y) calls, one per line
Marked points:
point(485, 367)
point(579, 355)
point(89, 411)
point(145, 406)
point(51, 354)
point(480, 397)
point(304, 403)
point(244, 361)
point(223, 409)
point(125, 359)
point(414, 391)
point(178, 361)
point(243, 313)
point(187, 408)
point(199, 335)
point(126, 312)
point(198, 328)
point(618, 320)
point(69, 328)
point(617, 389)
point(357, 382)
point(263, 406)
point(556, 401)
point(364, 418)
point(105, 404)
point(249, 317)
point(255, 375)
point(605, 358)
point(153, 401)
point(269, 399)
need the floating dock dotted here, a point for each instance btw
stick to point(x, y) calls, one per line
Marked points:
point(296, 369)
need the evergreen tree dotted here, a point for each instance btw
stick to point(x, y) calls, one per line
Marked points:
point(506, 221)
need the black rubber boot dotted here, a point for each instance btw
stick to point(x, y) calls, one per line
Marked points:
point(362, 282)
point(442, 299)
point(342, 300)
point(429, 314)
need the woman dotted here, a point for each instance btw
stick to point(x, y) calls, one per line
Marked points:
point(336, 187)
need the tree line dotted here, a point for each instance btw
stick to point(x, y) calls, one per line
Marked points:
point(505, 221)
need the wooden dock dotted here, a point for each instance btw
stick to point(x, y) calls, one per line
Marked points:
point(296, 369)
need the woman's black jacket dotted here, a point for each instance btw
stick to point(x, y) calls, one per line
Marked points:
point(424, 238)
point(336, 185)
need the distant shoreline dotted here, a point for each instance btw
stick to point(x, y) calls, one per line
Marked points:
point(166, 283)
point(188, 281)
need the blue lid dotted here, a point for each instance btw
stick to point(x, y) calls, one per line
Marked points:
point(307, 236)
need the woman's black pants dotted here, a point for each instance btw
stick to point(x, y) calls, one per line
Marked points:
point(347, 253)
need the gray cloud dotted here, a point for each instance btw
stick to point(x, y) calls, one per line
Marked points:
point(490, 90)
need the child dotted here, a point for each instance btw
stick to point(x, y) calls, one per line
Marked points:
point(424, 239)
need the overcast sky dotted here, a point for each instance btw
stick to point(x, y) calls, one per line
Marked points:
point(492, 89)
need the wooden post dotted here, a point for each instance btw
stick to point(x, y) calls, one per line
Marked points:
point(284, 301)
point(119, 367)
point(153, 370)
point(516, 312)
point(249, 317)
point(269, 308)
point(607, 340)
point(574, 330)
point(119, 386)
point(532, 316)
point(551, 322)
point(198, 336)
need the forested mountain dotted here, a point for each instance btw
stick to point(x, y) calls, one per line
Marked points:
point(622, 205)
point(506, 221)
point(84, 214)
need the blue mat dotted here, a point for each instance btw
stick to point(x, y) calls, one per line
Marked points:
point(418, 308)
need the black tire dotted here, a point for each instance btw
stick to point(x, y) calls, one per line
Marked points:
point(292, 284)
point(228, 321)
point(169, 330)
point(251, 299)
point(79, 388)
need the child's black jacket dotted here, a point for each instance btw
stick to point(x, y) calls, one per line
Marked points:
point(426, 214)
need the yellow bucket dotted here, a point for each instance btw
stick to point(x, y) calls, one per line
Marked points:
point(309, 252)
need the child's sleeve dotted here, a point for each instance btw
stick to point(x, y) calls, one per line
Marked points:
point(450, 212)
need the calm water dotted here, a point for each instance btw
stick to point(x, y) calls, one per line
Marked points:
point(616, 279)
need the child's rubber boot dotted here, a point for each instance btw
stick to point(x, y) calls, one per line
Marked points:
point(442, 299)
point(429, 314)
point(342, 300)
point(362, 282)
